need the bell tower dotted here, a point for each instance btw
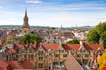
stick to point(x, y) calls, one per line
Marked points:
point(25, 27)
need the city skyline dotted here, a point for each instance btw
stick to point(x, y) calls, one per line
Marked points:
point(67, 13)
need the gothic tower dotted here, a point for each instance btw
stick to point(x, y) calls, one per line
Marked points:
point(25, 27)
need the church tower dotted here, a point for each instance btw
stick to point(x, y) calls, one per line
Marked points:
point(25, 27)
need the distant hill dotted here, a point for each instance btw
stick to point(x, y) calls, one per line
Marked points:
point(44, 27)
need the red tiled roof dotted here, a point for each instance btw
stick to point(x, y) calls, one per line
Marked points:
point(87, 46)
point(34, 46)
point(3, 64)
point(73, 46)
point(18, 46)
point(52, 46)
point(11, 65)
point(12, 62)
point(27, 64)
point(95, 46)
point(10, 50)
point(66, 47)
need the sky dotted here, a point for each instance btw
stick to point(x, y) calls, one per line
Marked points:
point(54, 13)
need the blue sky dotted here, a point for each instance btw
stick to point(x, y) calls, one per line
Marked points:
point(67, 13)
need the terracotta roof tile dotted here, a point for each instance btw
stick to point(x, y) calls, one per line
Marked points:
point(10, 50)
point(34, 46)
point(27, 64)
point(3, 64)
point(66, 47)
point(12, 62)
point(18, 46)
point(87, 46)
point(52, 46)
point(11, 65)
point(95, 46)
point(73, 46)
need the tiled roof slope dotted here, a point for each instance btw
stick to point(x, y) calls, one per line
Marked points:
point(72, 64)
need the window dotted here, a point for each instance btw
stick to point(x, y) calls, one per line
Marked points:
point(41, 58)
point(64, 55)
point(56, 55)
point(31, 56)
point(40, 53)
point(25, 56)
point(55, 63)
point(40, 65)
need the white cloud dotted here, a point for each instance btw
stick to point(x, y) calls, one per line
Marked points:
point(55, 19)
point(10, 18)
point(55, 15)
point(33, 1)
point(74, 7)
point(67, 19)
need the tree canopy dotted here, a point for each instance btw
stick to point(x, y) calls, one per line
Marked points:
point(101, 28)
point(30, 38)
point(103, 36)
point(93, 36)
point(74, 41)
point(97, 34)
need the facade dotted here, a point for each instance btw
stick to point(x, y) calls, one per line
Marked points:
point(43, 57)
point(86, 54)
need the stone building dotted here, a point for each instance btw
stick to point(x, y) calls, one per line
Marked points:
point(25, 27)
point(44, 57)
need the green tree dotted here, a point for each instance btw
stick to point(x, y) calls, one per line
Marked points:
point(74, 41)
point(93, 36)
point(100, 28)
point(98, 33)
point(103, 36)
point(31, 38)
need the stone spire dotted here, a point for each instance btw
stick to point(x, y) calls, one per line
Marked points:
point(26, 26)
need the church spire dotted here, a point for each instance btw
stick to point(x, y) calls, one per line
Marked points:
point(26, 26)
point(26, 13)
